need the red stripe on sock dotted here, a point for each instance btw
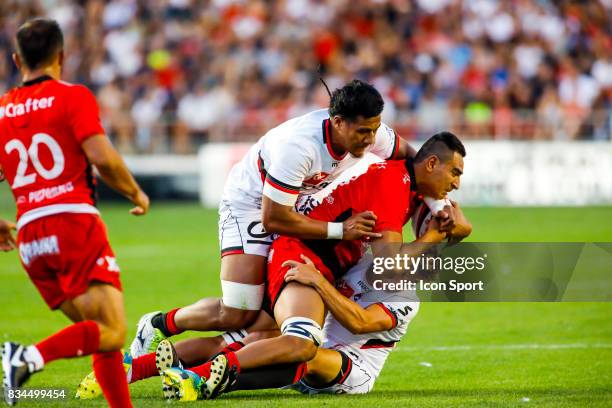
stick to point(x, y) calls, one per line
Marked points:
point(300, 372)
point(235, 346)
point(170, 322)
point(80, 339)
point(143, 367)
point(111, 377)
point(202, 370)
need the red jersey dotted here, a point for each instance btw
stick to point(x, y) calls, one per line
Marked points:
point(385, 189)
point(42, 126)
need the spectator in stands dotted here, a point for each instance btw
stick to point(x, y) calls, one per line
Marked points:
point(229, 69)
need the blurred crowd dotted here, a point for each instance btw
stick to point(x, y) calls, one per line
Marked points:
point(170, 74)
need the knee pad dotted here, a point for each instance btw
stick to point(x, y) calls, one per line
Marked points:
point(304, 328)
point(242, 295)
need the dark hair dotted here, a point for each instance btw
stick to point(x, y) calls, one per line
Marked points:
point(39, 41)
point(442, 145)
point(354, 99)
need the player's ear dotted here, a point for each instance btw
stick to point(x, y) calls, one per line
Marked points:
point(431, 162)
point(337, 121)
point(61, 58)
point(17, 60)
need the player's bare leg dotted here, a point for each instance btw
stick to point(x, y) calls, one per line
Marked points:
point(103, 304)
point(99, 329)
point(242, 277)
point(324, 368)
point(295, 300)
point(212, 313)
point(195, 351)
point(281, 361)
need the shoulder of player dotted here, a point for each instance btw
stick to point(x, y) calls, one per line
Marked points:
point(389, 168)
point(308, 125)
point(74, 88)
point(73, 91)
point(385, 129)
point(301, 136)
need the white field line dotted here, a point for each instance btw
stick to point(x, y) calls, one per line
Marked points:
point(508, 347)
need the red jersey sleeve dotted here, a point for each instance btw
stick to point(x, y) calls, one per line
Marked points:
point(83, 113)
point(388, 196)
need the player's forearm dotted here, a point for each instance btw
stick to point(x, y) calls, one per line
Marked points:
point(111, 167)
point(292, 224)
point(348, 313)
point(422, 244)
point(116, 175)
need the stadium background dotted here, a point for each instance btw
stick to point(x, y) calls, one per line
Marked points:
point(172, 76)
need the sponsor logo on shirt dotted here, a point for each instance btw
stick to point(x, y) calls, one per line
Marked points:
point(316, 179)
point(49, 193)
point(13, 110)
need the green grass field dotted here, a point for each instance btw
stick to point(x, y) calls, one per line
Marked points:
point(461, 354)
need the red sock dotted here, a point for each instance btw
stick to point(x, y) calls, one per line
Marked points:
point(235, 346)
point(232, 361)
point(202, 370)
point(143, 367)
point(111, 377)
point(170, 322)
point(80, 339)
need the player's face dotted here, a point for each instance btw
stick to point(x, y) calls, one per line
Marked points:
point(445, 176)
point(358, 134)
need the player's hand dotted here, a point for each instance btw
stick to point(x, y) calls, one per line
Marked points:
point(304, 273)
point(433, 233)
point(446, 217)
point(7, 240)
point(463, 227)
point(141, 201)
point(360, 226)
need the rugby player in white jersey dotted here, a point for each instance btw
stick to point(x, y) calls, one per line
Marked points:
point(299, 157)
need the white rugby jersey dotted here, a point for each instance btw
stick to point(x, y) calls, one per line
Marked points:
point(371, 348)
point(295, 158)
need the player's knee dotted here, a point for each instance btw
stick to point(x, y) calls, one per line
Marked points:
point(112, 336)
point(302, 336)
point(300, 350)
point(230, 318)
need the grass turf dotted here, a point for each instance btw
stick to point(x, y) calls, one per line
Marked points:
point(476, 354)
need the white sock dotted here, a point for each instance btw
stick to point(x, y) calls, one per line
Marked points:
point(32, 355)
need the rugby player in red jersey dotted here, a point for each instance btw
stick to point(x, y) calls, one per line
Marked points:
point(50, 138)
point(390, 189)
